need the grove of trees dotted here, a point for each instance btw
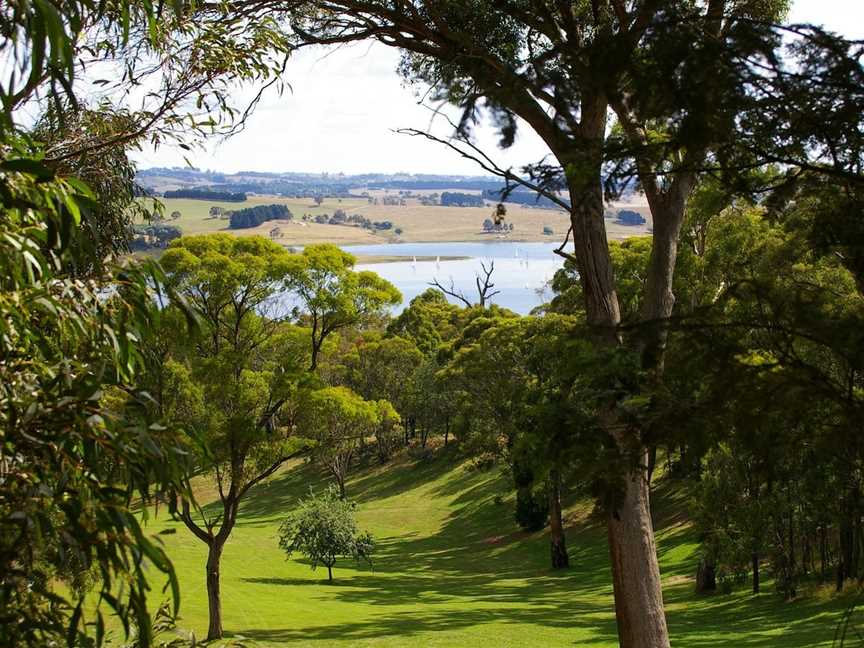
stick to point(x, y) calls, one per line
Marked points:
point(206, 194)
point(254, 216)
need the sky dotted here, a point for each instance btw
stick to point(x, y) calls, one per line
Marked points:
point(344, 104)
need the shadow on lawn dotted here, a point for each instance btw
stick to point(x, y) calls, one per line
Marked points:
point(410, 623)
point(478, 556)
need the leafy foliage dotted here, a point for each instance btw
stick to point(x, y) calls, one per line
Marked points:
point(323, 528)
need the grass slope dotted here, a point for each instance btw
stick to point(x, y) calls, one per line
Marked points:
point(452, 569)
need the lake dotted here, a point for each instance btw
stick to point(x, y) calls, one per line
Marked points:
point(522, 270)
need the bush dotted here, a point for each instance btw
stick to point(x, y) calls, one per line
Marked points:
point(548, 231)
point(323, 528)
point(532, 511)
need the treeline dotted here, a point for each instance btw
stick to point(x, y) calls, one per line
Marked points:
point(520, 198)
point(458, 199)
point(254, 216)
point(206, 194)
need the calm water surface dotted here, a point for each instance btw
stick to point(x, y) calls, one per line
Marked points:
point(522, 270)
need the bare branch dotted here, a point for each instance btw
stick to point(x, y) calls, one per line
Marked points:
point(451, 291)
point(487, 164)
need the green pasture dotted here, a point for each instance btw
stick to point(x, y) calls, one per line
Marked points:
point(195, 214)
point(452, 569)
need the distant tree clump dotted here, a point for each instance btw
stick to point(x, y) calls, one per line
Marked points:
point(254, 216)
point(630, 217)
point(204, 194)
point(215, 212)
point(548, 231)
point(323, 528)
point(154, 236)
point(458, 199)
point(488, 225)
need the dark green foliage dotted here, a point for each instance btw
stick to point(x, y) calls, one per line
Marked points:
point(456, 199)
point(519, 197)
point(254, 216)
point(79, 442)
point(532, 509)
point(204, 194)
point(630, 217)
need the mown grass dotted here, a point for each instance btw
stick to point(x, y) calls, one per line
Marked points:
point(452, 569)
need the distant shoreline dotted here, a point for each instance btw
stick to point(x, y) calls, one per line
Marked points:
point(371, 259)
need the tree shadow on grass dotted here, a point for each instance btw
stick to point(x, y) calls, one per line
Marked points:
point(408, 624)
point(492, 573)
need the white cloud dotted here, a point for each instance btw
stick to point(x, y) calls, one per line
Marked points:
point(345, 104)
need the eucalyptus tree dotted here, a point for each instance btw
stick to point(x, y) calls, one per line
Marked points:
point(239, 378)
point(337, 420)
point(519, 390)
point(333, 296)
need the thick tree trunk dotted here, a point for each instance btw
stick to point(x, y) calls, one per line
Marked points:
point(214, 597)
point(557, 540)
point(635, 571)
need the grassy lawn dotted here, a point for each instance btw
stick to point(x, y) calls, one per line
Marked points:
point(419, 223)
point(452, 569)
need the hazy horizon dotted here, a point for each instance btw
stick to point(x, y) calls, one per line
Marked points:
point(345, 103)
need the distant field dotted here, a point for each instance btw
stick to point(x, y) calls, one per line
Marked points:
point(419, 223)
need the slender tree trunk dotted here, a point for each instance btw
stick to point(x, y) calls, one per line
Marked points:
point(823, 552)
point(557, 539)
point(330, 573)
point(754, 559)
point(214, 596)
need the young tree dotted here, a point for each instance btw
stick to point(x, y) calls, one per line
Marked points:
point(336, 420)
point(246, 366)
point(323, 528)
point(333, 296)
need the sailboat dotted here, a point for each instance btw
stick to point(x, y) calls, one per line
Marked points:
point(438, 262)
point(414, 262)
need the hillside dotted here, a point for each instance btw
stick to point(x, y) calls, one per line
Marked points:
point(452, 569)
